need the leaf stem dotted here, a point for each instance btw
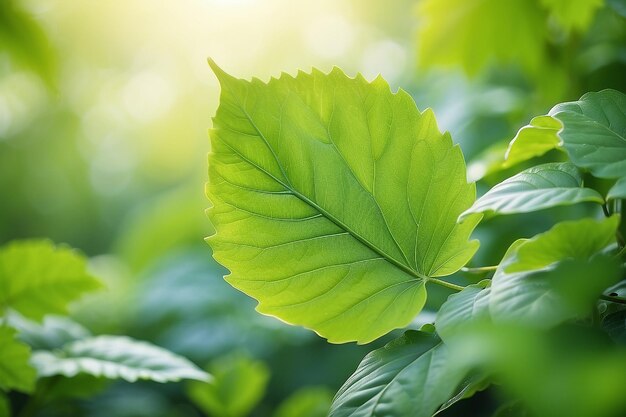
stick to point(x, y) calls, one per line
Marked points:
point(613, 299)
point(606, 211)
point(479, 269)
point(446, 284)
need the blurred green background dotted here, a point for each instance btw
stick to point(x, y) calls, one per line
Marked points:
point(104, 109)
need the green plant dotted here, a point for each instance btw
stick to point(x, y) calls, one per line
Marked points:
point(336, 203)
point(50, 356)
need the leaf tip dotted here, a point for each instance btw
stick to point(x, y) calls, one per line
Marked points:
point(222, 76)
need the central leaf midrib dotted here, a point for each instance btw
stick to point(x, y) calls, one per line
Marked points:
point(330, 217)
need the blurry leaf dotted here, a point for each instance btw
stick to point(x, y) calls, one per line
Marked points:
point(573, 14)
point(5, 406)
point(511, 409)
point(116, 357)
point(24, 38)
point(237, 387)
point(468, 387)
point(306, 402)
point(320, 184)
point(534, 139)
point(577, 239)
point(536, 188)
point(540, 282)
point(470, 33)
point(55, 331)
point(555, 276)
point(594, 132)
point(618, 190)
point(412, 375)
point(37, 278)
point(15, 371)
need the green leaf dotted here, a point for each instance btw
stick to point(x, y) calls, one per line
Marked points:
point(412, 375)
point(618, 190)
point(37, 278)
point(333, 200)
point(467, 306)
point(306, 402)
point(55, 331)
point(578, 239)
point(15, 371)
point(238, 385)
point(594, 132)
point(573, 14)
point(536, 188)
point(489, 161)
point(555, 276)
point(116, 357)
point(534, 139)
point(470, 33)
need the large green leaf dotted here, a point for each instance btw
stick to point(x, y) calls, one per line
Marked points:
point(410, 376)
point(116, 357)
point(470, 33)
point(334, 199)
point(534, 139)
point(37, 278)
point(594, 132)
point(536, 188)
point(237, 386)
point(15, 370)
point(467, 306)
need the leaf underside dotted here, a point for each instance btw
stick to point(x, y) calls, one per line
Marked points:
point(333, 200)
point(536, 188)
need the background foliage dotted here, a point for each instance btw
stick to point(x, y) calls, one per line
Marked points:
point(103, 115)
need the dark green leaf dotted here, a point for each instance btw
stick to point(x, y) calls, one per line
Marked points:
point(412, 375)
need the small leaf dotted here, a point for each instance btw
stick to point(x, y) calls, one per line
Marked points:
point(116, 357)
point(534, 139)
point(334, 199)
point(306, 402)
point(536, 188)
point(594, 132)
point(53, 333)
point(15, 371)
point(618, 190)
point(238, 385)
point(412, 375)
point(37, 278)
